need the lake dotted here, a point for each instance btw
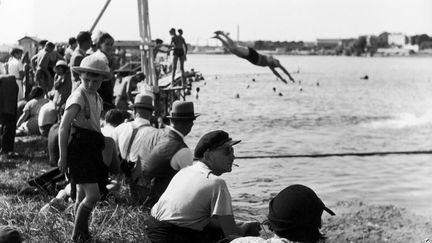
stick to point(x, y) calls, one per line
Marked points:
point(333, 110)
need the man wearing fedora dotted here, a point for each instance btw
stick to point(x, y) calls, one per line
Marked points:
point(134, 141)
point(171, 153)
point(196, 206)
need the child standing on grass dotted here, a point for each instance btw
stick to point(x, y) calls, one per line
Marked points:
point(81, 141)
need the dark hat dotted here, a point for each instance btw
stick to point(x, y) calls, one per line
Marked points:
point(183, 110)
point(15, 50)
point(296, 205)
point(143, 101)
point(36, 92)
point(9, 234)
point(213, 140)
point(60, 63)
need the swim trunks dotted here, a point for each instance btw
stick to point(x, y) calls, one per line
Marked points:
point(179, 52)
point(253, 56)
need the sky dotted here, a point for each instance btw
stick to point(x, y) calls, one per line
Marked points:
point(290, 20)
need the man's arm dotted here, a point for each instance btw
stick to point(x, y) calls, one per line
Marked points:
point(63, 134)
point(185, 45)
point(181, 159)
point(228, 226)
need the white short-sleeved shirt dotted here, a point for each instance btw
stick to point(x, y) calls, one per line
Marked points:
point(108, 130)
point(192, 197)
point(183, 157)
point(47, 114)
point(122, 135)
point(15, 66)
point(95, 107)
point(251, 239)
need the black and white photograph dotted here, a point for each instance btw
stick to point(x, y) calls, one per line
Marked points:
point(214, 121)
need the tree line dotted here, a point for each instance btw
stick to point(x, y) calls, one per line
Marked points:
point(354, 46)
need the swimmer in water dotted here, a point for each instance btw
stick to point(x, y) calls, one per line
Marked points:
point(252, 55)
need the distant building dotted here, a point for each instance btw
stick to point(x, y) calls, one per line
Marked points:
point(127, 44)
point(328, 43)
point(396, 39)
point(29, 44)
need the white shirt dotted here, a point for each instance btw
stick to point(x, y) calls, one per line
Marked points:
point(139, 149)
point(251, 239)
point(192, 197)
point(2, 69)
point(183, 157)
point(15, 66)
point(108, 130)
point(47, 114)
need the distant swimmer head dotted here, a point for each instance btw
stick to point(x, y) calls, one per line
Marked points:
point(253, 80)
point(237, 96)
point(280, 94)
point(274, 89)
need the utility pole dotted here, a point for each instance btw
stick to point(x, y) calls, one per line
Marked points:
point(100, 15)
point(146, 47)
point(238, 32)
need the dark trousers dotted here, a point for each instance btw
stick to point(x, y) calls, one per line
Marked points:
point(7, 132)
point(164, 232)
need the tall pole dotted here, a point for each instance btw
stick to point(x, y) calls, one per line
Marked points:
point(146, 47)
point(238, 32)
point(99, 16)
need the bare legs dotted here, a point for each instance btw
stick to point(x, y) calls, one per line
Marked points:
point(87, 196)
point(181, 60)
point(175, 59)
point(240, 51)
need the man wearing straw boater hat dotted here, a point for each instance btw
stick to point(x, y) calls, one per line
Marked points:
point(171, 153)
point(81, 155)
point(135, 140)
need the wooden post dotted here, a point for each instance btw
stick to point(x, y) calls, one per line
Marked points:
point(146, 47)
point(99, 16)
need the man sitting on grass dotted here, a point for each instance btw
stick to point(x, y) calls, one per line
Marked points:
point(196, 206)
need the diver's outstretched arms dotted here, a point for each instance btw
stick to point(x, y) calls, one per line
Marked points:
point(278, 75)
point(287, 73)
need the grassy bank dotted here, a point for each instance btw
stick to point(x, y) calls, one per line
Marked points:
point(118, 221)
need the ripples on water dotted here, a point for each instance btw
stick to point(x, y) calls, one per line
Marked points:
point(392, 111)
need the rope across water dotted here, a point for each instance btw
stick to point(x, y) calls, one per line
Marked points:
point(360, 154)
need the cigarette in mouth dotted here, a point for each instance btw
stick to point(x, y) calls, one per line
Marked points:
point(236, 165)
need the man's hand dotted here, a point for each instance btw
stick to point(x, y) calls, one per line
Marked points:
point(250, 228)
point(62, 165)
